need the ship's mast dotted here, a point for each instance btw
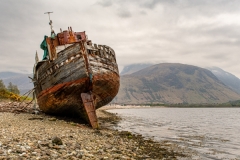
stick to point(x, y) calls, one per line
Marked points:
point(50, 21)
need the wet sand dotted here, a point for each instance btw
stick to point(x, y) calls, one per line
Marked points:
point(24, 135)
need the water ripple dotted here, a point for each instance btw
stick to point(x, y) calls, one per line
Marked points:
point(210, 133)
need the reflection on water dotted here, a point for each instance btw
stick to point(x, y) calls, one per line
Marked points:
point(210, 133)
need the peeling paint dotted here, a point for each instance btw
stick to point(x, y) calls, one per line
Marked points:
point(81, 67)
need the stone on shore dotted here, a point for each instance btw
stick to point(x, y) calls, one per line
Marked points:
point(31, 136)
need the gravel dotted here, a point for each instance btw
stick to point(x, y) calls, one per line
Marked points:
point(40, 136)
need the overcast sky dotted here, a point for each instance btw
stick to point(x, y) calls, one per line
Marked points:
point(196, 32)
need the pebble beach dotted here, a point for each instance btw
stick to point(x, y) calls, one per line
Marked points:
point(27, 135)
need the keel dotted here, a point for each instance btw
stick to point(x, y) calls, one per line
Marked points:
point(89, 107)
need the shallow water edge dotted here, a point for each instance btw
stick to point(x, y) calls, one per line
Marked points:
point(205, 133)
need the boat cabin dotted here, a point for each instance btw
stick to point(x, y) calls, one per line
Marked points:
point(56, 43)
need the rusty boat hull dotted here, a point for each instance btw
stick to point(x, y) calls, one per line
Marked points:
point(81, 78)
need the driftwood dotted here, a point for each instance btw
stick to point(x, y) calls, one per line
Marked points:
point(13, 107)
point(19, 107)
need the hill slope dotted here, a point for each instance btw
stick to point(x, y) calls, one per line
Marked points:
point(227, 78)
point(173, 83)
point(129, 69)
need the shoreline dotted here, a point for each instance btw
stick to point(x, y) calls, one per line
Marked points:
point(108, 107)
point(33, 136)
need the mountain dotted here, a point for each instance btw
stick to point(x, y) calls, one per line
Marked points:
point(5, 75)
point(21, 80)
point(227, 78)
point(173, 83)
point(129, 69)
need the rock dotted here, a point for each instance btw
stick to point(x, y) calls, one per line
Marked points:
point(18, 151)
point(26, 139)
point(36, 118)
point(23, 154)
point(57, 141)
point(23, 149)
point(35, 112)
point(108, 146)
point(118, 151)
point(34, 153)
point(98, 132)
point(9, 151)
point(44, 143)
point(37, 150)
point(54, 155)
point(44, 158)
point(89, 155)
point(52, 119)
point(50, 145)
point(48, 152)
point(74, 153)
point(77, 146)
point(56, 147)
point(79, 156)
point(125, 133)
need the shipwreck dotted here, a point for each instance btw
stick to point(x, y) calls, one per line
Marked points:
point(75, 76)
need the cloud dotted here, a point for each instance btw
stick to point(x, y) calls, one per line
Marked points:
point(151, 4)
point(124, 13)
point(105, 3)
point(183, 31)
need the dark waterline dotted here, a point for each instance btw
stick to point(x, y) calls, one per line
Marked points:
point(209, 133)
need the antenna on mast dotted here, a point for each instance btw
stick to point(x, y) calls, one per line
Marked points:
point(50, 21)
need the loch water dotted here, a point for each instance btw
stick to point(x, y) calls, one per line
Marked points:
point(209, 133)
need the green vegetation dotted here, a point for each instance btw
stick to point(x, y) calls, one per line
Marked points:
point(205, 105)
point(11, 92)
point(2, 86)
point(13, 88)
point(235, 103)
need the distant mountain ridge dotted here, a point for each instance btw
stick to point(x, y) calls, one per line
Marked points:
point(21, 80)
point(129, 69)
point(227, 78)
point(173, 83)
point(6, 75)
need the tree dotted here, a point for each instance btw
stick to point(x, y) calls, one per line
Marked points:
point(13, 88)
point(2, 86)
